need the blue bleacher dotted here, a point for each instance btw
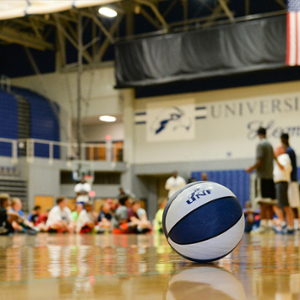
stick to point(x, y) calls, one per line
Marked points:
point(44, 124)
point(238, 181)
point(9, 121)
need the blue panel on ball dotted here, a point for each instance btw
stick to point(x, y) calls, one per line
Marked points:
point(170, 202)
point(207, 221)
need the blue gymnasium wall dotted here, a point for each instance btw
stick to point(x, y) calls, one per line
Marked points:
point(238, 181)
point(9, 121)
point(44, 124)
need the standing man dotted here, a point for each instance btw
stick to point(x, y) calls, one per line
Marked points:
point(82, 190)
point(204, 176)
point(282, 175)
point(293, 191)
point(265, 188)
point(174, 183)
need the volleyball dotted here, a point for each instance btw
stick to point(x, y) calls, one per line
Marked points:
point(203, 221)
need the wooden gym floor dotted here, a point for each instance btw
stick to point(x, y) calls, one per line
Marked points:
point(144, 267)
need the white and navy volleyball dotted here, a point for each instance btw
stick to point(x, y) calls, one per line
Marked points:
point(203, 221)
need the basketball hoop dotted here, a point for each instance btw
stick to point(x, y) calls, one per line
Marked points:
point(82, 170)
point(89, 179)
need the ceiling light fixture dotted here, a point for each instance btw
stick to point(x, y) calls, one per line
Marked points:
point(108, 12)
point(107, 118)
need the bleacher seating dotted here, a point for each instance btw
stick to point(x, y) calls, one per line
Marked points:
point(238, 181)
point(44, 124)
point(9, 121)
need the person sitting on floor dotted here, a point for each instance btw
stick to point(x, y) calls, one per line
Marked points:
point(60, 218)
point(42, 220)
point(6, 219)
point(140, 216)
point(20, 223)
point(33, 217)
point(86, 221)
point(120, 221)
point(112, 205)
point(159, 216)
point(16, 206)
point(104, 218)
point(251, 217)
point(76, 212)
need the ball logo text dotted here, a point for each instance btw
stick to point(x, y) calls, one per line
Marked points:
point(197, 194)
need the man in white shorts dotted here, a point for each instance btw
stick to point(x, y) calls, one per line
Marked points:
point(82, 190)
point(282, 174)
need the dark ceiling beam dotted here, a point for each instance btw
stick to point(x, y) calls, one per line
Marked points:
point(203, 2)
point(155, 11)
point(216, 12)
point(48, 32)
point(281, 3)
point(130, 22)
point(170, 7)
point(13, 36)
point(98, 57)
point(72, 31)
point(185, 10)
point(21, 22)
point(46, 19)
point(65, 17)
point(202, 5)
point(226, 9)
point(247, 7)
point(94, 35)
point(61, 43)
point(71, 40)
point(149, 18)
point(35, 28)
point(99, 24)
point(197, 20)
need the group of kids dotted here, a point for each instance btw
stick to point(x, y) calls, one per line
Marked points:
point(119, 217)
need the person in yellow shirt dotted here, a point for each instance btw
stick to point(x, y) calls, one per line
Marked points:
point(159, 216)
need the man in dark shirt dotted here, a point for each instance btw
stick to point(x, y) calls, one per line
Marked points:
point(265, 188)
point(105, 212)
point(34, 216)
point(293, 191)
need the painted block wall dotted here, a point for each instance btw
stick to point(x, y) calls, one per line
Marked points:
point(98, 132)
point(97, 89)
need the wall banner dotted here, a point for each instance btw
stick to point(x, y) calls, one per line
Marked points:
point(171, 121)
point(277, 114)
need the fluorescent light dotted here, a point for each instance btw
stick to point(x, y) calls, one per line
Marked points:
point(107, 118)
point(108, 12)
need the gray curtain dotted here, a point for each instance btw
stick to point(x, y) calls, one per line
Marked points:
point(227, 49)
